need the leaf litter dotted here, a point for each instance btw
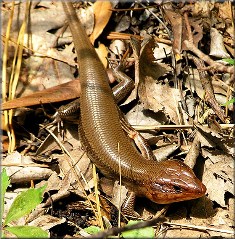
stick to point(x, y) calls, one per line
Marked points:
point(170, 91)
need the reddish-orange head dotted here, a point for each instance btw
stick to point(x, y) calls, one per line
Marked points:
point(176, 182)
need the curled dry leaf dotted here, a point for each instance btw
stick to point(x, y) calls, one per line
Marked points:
point(47, 221)
point(217, 48)
point(219, 174)
point(194, 152)
point(197, 32)
point(66, 91)
point(22, 169)
point(193, 83)
point(176, 21)
point(102, 53)
point(156, 96)
point(180, 33)
point(162, 51)
point(119, 194)
point(102, 11)
point(225, 11)
point(164, 151)
point(219, 169)
point(27, 174)
point(76, 164)
point(212, 138)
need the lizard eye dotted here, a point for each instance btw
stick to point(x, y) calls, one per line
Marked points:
point(177, 189)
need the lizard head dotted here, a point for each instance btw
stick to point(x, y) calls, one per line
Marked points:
point(176, 182)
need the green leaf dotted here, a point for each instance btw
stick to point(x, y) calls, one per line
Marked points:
point(147, 232)
point(230, 61)
point(92, 229)
point(5, 182)
point(229, 102)
point(24, 204)
point(27, 232)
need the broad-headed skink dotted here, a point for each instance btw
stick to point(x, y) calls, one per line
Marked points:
point(106, 143)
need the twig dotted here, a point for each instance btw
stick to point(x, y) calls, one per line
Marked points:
point(194, 152)
point(215, 65)
point(116, 230)
point(190, 45)
point(208, 88)
point(126, 36)
point(159, 20)
point(199, 227)
point(175, 127)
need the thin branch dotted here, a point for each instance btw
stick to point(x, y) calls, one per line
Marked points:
point(175, 127)
point(117, 230)
point(199, 227)
point(191, 47)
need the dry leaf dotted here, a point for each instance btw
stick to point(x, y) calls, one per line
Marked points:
point(123, 24)
point(211, 138)
point(86, 17)
point(36, 72)
point(158, 97)
point(225, 11)
point(102, 11)
point(202, 8)
point(193, 83)
point(66, 91)
point(219, 175)
point(217, 48)
point(22, 169)
point(119, 194)
point(102, 53)
point(52, 17)
point(162, 51)
point(138, 115)
point(176, 22)
point(164, 151)
point(46, 222)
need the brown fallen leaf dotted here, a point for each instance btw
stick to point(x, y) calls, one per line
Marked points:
point(209, 91)
point(154, 95)
point(158, 97)
point(202, 8)
point(73, 162)
point(225, 11)
point(179, 31)
point(194, 83)
point(217, 48)
point(47, 221)
point(164, 152)
point(211, 138)
point(219, 175)
point(103, 54)
point(23, 169)
point(176, 21)
point(102, 11)
point(194, 152)
point(66, 91)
